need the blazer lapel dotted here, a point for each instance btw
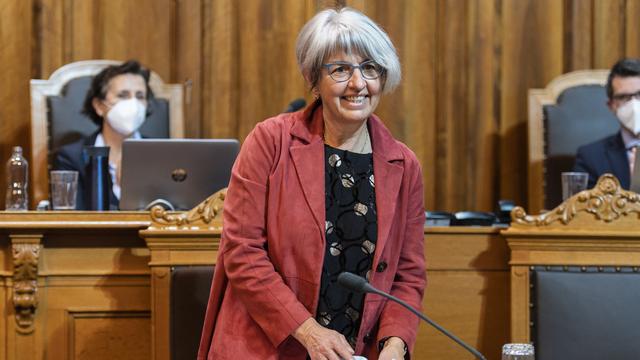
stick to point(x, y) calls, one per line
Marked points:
point(308, 159)
point(617, 156)
point(388, 175)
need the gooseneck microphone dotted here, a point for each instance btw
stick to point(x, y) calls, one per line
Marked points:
point(356, 283)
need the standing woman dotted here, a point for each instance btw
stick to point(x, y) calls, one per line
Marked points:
point(316, 193)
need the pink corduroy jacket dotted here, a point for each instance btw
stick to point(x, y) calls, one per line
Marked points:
point(267, 278)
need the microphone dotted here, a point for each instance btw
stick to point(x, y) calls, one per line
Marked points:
point(295, 105)
point(356, 283)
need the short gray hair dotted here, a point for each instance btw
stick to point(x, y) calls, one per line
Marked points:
point(331, 31)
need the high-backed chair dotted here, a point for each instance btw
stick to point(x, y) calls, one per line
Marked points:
point(56, 119)
point(575, 275)
point(571, 111)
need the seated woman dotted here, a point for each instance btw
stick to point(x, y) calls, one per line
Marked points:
point(117, 102)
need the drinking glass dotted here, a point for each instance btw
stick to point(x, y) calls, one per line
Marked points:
point(64, 189)
point(518, 352)
point(573, 183)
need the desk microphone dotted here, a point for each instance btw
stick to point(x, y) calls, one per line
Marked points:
point(358, 284)
point(295, 105)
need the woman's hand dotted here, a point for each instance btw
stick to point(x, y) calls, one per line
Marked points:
point(393, 349)
point(322, 343)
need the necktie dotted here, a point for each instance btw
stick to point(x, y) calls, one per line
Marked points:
point(634, 166)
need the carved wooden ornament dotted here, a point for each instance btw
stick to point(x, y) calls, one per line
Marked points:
point(25, 286)
point(607, 201)
point(203, 214)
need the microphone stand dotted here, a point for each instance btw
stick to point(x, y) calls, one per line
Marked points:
point(475, 352)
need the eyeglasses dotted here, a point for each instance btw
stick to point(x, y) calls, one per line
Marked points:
point(623, 98)
point(342, 71)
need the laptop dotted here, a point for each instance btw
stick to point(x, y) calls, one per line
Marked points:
point(182, 172)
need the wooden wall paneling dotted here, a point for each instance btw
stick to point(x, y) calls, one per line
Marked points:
point(632, 28)
point(417, 50)
point(189, 62)
point(126, 334)
point(253, 54)
point(578, 35)
point(609, 32)
point(391, 18)
point(99, 317)
point(69, 30)
point(452, 136)
point(143, 30)
point(50, 31)
point(360, 5)
point(281, 27)
point(220, 68)
point(461, 106)
point(531, 56)
point(84, 24)
point(268, 72)
point(482, 118)
point(15, 56)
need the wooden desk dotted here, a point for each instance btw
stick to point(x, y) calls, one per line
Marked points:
point(78, 278)
point(89, 276)
point(467, 292)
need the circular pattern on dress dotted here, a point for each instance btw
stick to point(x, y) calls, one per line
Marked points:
point(353, 314)
point(347, 180)
point(335, 249)
point(328, 227)
point(368, 247)
point(335, 161)
point(324, 318)
point(350, 234)
point(360, 209)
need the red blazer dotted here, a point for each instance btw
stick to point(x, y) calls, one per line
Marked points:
point(267, 278)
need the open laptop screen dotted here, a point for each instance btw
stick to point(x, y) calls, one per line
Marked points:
point(183, 172)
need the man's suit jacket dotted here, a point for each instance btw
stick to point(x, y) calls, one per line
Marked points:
point(267, 278)
point(607, 155)
point(70, 157)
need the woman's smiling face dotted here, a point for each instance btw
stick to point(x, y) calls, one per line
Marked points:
point(349, 101)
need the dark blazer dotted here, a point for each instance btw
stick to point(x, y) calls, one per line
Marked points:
point(69, 157)
point(267, 277)
point(607, 155)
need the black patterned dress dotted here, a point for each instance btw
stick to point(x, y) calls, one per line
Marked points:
point(351, 232)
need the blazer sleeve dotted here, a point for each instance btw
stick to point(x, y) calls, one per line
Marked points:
point(252, 276)
point(410, 279)
point(67, 159)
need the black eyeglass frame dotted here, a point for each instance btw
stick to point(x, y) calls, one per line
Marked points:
point(625, 98)
point(379, 69)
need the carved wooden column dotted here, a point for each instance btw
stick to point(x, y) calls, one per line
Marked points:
point(178, 239)
point(25, 251)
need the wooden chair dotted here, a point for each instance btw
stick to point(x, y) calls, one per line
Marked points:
point(56, 119)
point(184, 250)
point(571, 111)
point(575, 275)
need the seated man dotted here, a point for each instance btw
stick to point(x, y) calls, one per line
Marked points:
point(616, 153)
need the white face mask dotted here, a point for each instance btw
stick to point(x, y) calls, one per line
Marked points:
point(126, 116)
point(629, 116)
